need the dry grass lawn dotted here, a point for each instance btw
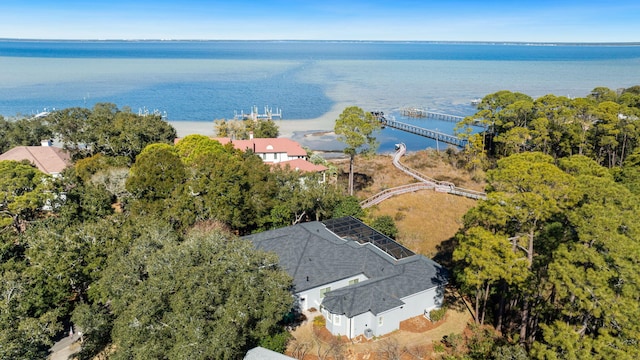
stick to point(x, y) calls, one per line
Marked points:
point(425, 218)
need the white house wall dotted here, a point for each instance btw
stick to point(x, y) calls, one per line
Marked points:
point(418, 303)
point(415, 305)
point(362, 322)
point(278, 157)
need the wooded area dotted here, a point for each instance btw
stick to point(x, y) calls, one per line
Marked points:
point(137, 243)
point(551, 258)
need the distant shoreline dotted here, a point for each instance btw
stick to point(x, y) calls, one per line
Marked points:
point(478, 42)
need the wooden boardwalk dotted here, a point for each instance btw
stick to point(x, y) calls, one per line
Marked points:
point(423, 113)
point(426, 182)
point(432, 134)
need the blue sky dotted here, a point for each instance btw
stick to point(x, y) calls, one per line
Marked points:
point(443, 20)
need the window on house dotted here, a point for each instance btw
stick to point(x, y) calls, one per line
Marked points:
point(324, 291)
point(353, 282)
point(380, 321)
point(337, 320)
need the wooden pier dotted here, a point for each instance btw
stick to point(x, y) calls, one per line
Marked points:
point(422, 113)
point(431, 134)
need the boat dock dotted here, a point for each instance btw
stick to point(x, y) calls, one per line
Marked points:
point(254, 115)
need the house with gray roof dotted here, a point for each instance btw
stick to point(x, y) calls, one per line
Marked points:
point(363, 282)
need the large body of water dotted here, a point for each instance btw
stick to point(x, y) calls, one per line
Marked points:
point(207, 80)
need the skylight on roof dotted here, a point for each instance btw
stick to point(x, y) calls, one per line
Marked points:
point(353, 229)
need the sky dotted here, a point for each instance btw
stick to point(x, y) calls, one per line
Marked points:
point(412, 20)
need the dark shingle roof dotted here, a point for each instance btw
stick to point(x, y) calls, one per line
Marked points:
point(315, 256)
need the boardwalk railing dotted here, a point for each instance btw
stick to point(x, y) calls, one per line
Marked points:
point(403, 189)
point(425, 183)
point(422, 113)
point(441, 186)
point(432, 134)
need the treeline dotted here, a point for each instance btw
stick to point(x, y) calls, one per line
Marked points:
point(104, 129)
point(603, 126)
point(137, 244)
point(551, 258)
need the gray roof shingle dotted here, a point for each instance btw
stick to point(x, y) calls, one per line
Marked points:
point(314, 256)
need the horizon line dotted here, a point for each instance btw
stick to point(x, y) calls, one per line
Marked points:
point(488, 42)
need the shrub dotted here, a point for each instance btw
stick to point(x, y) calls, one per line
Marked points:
point(385, 225)
point(276, 342)
point(319, 321)
point(437, 314)
point(452, 341)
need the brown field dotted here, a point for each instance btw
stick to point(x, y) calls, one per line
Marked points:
point(425, 219)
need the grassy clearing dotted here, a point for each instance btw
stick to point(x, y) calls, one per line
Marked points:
point(426, 218)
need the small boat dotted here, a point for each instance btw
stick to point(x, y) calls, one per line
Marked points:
point(476, 101)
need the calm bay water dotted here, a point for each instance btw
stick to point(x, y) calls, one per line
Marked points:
point(207, 80)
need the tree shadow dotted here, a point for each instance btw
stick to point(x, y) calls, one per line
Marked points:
point(444, 252)
point(360, 180)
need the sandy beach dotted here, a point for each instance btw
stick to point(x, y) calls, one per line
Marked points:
point(288, 127)
point(315, 134)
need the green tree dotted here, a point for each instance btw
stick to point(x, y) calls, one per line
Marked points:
point(27, 321)
point(211, 296)
point(605, 133)
point(301, 197)
point(595, 277)
point(157, 172)
point(484, 261)
point(602, 94)
point(24, 192)
point(71, 126)
point(241, 129)
point(356, 128)
point(134, 132)
point(107, 130)
point(348, 206)
point(264, 128)
point(22, 132)
point(192, 148)
point(629, 175)
point(385, 225)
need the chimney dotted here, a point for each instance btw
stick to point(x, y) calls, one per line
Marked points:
point(250, 135)
point(45, 142)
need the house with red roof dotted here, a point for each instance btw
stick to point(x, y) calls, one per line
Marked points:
point(281, 152)
point(48, 159)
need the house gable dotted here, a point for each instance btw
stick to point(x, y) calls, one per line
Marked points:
point(315, 257)
point(275, 151)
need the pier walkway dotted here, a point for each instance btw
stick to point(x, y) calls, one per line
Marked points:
point(425, 183)
point(432, 134)
point(423, 113)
